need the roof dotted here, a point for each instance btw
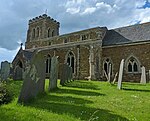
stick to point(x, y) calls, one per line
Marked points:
point(129, 34)
point(28, 54)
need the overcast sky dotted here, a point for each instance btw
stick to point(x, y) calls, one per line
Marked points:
point(73, 15)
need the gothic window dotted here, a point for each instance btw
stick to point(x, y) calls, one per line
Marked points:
point(48, 64)
point(65, 40)
point(53, 33)
point(83, 37)
point(129, 67)
point(49, 43)
point(38, 31)
point(33, 33)
point(49, 32)
point(20, 64)
point(132, 65)
point(106, 65)
point(70, 60)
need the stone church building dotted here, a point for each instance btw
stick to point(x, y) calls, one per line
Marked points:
point(89, 52)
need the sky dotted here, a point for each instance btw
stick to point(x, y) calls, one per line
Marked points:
point(73, 15)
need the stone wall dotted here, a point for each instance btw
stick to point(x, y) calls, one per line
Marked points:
point(117, 53)
point(85, 35)
point(83, 59)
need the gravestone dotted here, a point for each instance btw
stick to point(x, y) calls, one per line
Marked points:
point(143, 76)
point(66, 75)
point(109, 73)
point(5, 70)
point(53, 73)
point(18, 73)
point(149, 75)
point(63, 76)
point(120, 74)
point(33, 78)
point(115, 78)
point(70, 74)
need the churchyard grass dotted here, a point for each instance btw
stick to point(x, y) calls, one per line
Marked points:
point(82, 100)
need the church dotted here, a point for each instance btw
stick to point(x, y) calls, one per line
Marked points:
point(89, 52)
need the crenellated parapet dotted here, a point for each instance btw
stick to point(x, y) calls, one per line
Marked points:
point(42, 27)
point(42, 17)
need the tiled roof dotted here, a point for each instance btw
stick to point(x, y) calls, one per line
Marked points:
point(129, 34)
point(28, 54)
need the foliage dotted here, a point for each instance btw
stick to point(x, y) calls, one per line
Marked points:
point(82, 101)
point(6, 95)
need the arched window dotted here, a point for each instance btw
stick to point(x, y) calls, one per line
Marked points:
point(49, 32)
point(33, 33)
point(20, 64)
point(70, 60)
point(65, 40)
point(53, 33)
point(132, 65)
point(129, 67)
point(107, 65)
point(48, 64)
point(38, 32)
point(83, 37)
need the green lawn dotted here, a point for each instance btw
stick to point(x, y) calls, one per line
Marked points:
point(82, 100)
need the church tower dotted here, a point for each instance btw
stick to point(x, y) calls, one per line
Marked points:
point(42, 27)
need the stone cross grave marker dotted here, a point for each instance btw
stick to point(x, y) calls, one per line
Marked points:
point(143, 76)
point(120, 74)
point(33, 78)
point(5, 70)
point(53, 73)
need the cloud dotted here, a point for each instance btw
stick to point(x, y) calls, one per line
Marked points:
point(73, 15)
point(89, 10)
point(73, 10)
point(9, 56)
point(104, 6)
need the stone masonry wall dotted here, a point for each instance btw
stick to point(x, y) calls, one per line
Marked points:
point(117, 53)
point(90, 34)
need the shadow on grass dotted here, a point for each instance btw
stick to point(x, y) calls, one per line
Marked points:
point(133, 84)
point(139, 90)
point(78, 92)
point(83, 85)
point(75, 107)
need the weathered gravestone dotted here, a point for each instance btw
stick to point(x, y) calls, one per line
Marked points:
point(109, 73)
point(33, 78)
point(18, 73)
point(5, 70)
point(149, 75)
point(120, 74)
point(66, 74)
point(53, 73)
point(143, 76)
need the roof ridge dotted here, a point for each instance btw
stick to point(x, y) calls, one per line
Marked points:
point(128, 26)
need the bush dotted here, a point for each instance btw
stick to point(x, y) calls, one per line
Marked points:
point(6, 95)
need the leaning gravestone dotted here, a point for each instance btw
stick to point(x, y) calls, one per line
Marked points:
point(109, 73)
point(143, 76)
point(53, 73)
point(33, 78)
point(120, 74)
point(5, 70)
